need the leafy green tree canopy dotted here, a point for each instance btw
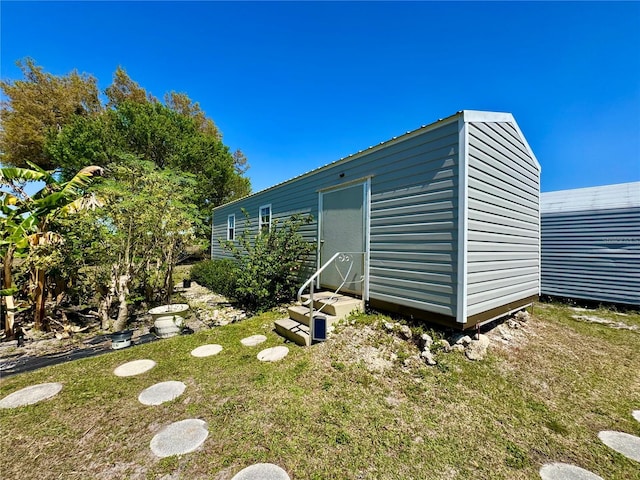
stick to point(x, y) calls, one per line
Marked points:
point(38, 105)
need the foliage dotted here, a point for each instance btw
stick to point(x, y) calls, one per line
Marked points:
point(269, 262)
point(156, 133)
point(217, 275)
point(38, 105)
point(123, 88)
point(26, 221)
point(146, 222)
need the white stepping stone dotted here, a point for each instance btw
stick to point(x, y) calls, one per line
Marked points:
point(206, 350)
point(134, 368)
point(636, 414)
point(180, 437)
point(273, 354)
point(624, 443)
point(253, 340)
point(30, 395)
point(161, 392)
point(262, 471)
point(564, 471)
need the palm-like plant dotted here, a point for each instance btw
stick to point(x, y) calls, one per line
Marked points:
point(25, 218)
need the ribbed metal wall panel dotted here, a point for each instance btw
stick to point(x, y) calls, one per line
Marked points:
point(415, 203)
point(503, 218)
point(413, 224)
point(591, 243)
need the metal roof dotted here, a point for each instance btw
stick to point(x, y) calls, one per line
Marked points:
point(607, 197)
point(467, 115)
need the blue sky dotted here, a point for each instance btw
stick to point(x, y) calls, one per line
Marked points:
point(296, 85)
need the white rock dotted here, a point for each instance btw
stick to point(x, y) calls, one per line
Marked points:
point(388, 326)
point(445, 345)
point(425, 341)
point(522, 316)
point(405, 332)
point(458, 347)
point(511, 323)
point(427, 356)
point(477, 349)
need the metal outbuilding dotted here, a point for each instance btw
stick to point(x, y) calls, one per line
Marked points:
point(591, 243)
point(445, 217)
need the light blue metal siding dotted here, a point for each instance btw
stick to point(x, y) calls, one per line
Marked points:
point(413, 224)
point(503, 218)
point(591, 243)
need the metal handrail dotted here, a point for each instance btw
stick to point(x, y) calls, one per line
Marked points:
point(310, 283)
point(320, 270)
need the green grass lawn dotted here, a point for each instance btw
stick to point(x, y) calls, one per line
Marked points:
point(329, 412)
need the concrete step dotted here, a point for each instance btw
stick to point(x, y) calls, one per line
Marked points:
point(336, 305)
point(300, 313)
point(294, 331)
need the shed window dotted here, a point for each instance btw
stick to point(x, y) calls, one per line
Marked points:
point(231, 227)
point(265, 218)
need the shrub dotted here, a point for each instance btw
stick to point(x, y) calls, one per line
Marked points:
point(269, 263)
point(217, 275)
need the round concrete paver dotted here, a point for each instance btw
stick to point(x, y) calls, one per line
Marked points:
point(206, 350)
point(30, 395)
point(180, 437)
point(273, 354)
point(253, 340)
point(134, 368)
point(636, 414)
point(262, 471)
point(564, 471)
point(161, 392)
point(624, 443)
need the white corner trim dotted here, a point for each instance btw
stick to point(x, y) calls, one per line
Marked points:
point(463, 220)
point(367, 239)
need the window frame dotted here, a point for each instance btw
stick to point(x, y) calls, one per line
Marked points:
point(231, 230)
point(261, 224)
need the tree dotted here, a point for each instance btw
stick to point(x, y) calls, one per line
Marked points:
point(26, 218)
point(156, 133)
point(182, 104)
point(40, 104)
point(146, 221)
point(123, 88)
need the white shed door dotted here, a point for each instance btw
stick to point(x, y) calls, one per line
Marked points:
point(342, 229)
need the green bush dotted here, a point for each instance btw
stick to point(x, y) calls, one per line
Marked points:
point(217, 275)
point(269, 263)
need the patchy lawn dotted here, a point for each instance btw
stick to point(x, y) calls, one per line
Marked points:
point(352, 408)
